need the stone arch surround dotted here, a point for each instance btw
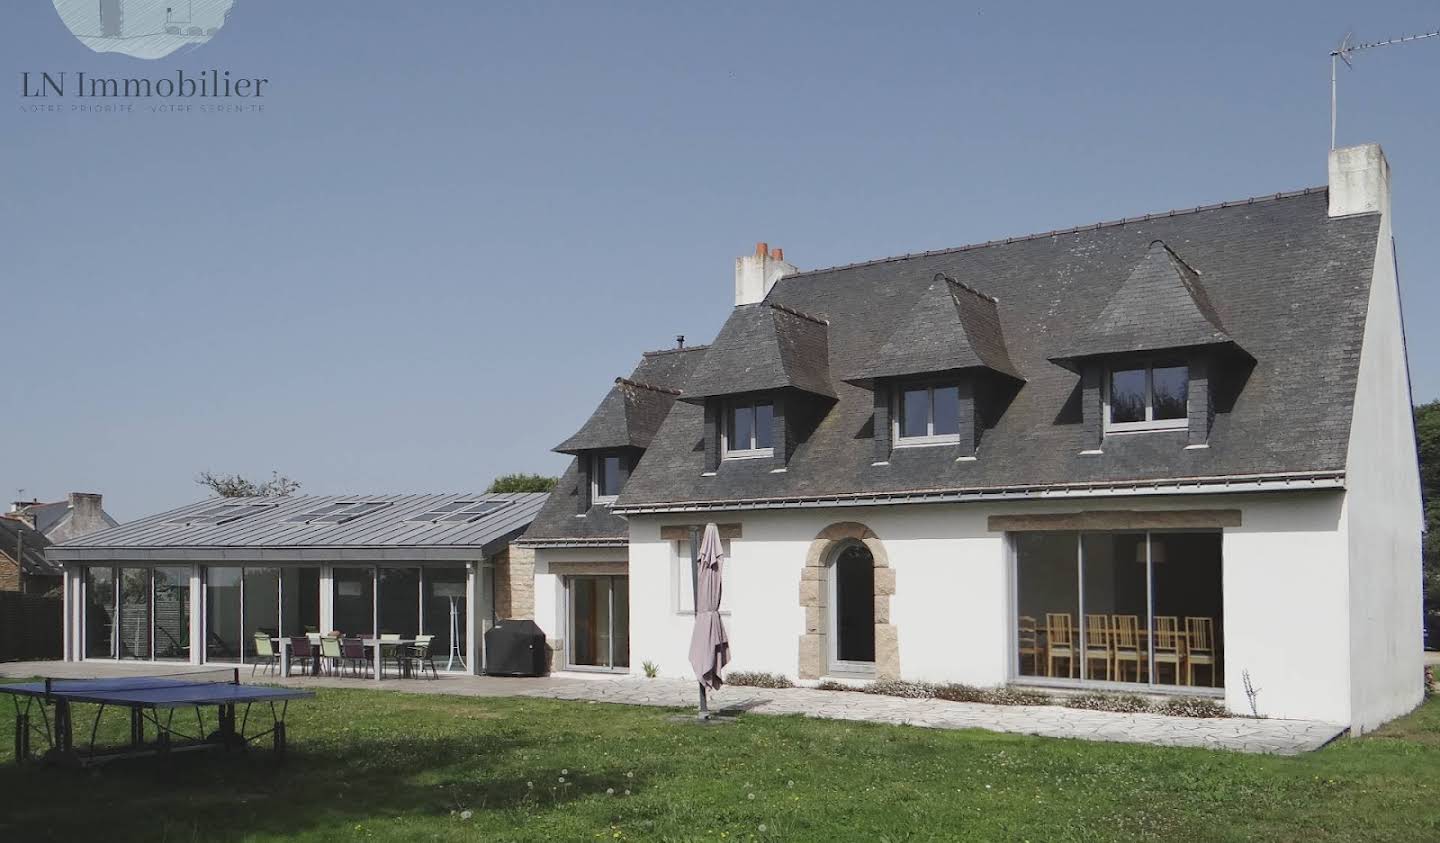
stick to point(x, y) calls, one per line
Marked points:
point(813, 595)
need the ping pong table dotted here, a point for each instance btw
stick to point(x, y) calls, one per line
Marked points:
point(152, 700)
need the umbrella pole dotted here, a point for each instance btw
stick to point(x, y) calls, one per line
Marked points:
point(704, 713)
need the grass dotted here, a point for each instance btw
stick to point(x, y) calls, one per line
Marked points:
point(380, 765)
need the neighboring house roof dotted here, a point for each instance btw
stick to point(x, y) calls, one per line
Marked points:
point(1288, 283)
point(628, 416)
point(1162, 305)
point(19, 541)
point(764, 347)
point(952, 326)
point(375, 527)
point(632, 411)
point(50, 517)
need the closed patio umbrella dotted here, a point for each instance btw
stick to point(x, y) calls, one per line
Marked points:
point(709, 646)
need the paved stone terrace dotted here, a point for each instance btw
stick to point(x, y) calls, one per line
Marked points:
point(1279, 737)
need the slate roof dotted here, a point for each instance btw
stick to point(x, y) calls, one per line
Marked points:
point(627, 415)
point(18, 539)
point(1162, 305)
point(762, 347)
point(952, 326)
point(392, 531)
point(1288, 284)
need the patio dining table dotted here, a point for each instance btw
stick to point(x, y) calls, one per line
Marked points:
point(377, 644)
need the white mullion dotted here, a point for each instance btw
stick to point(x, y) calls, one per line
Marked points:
point(1080, 604)
point(1150, 613)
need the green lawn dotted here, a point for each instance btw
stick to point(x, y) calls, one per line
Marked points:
point(368, 764)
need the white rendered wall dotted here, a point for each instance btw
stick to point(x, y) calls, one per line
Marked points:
point(1383, 506)
point(1285, 591)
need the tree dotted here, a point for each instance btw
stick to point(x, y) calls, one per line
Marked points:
point(236, 486)
point(1427, 434)
point(523, 483)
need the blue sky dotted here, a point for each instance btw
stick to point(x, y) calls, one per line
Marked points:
point(455, 223)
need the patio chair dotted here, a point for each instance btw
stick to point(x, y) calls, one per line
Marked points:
point(1059, 642)
point(264, 654)
point(1097, 644)
point(421, 657)
point(306, 651)
point(1029, 645)
point(1200, 649)
point(330, 654)
point(392, 652)
point(357, 656)
point(1126, 646)
point(1168, 647)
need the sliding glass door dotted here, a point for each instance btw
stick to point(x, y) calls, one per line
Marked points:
point(1121, 608)
point(172, 613)
point(598, 622)
point(136, 613)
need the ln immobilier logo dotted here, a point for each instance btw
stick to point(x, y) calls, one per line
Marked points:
point(143, 29)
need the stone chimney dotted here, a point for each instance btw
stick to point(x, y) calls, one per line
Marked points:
point(85, 514)
point(1359, 181)
point(756, 274)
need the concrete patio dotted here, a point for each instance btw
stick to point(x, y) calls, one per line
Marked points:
point(1240, 734)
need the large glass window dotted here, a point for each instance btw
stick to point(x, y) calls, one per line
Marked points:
point(445, 614)
point(1120, 607)
point(749, 429)
point(224, 626)
point(172, 613)
point(928, 413)
point(262, 605)
point(300, 601)
point(134, 613)
point(1148, 397)
point(99, 613)
point(354, 601)
point(400, 601)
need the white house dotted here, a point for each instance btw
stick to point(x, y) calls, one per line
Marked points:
point(1170, 453)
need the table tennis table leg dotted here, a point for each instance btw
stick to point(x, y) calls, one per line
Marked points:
point(64, 736)
point(22, 738)
point(137, 729)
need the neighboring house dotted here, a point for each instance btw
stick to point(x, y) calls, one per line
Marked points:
point(577, 544)
point(1172, 453)
point(79, 514)
point(23, 566)
point(222, 569)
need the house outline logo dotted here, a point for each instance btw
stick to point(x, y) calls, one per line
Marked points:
point(143, 29)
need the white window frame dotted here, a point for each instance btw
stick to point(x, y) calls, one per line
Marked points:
point(1150, 423)
point(595, 463)
point(682, 595)
point(728, 412)
point(897, 405)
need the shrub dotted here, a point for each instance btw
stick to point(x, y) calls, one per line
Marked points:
point(758, 679)
point(1191, 707)
point(651, 669)
point(956, 692)
point(832, 685)
point(1123, 703)
point(901, 688)
point(1015, 696)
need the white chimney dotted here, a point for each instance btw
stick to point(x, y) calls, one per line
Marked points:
point(756, 274)
point(1359, 180)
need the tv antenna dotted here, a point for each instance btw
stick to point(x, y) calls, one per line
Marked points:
point(1346, 51)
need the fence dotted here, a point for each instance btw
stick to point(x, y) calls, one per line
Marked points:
point(31, 627)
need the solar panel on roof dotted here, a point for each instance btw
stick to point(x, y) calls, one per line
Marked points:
point(338, 513)
point(224, 514)
point(461, 511)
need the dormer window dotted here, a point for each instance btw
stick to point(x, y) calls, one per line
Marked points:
point(927, 414)
point(1151, 395)
point(749, 429)
point(605, 478)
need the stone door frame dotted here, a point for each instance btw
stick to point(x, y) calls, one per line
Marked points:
point(814, 595)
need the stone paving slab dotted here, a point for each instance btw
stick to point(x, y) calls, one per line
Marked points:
point(1241, 734)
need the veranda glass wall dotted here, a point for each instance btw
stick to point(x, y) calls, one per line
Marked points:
point(1122, 608)
point(136, 612)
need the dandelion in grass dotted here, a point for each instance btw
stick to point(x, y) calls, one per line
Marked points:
point(530, 785)
point(562, 781)
point(465, 815)
point(750, 796)
point(762, 828)
point(564, 772)
point(627, 792)
point(609, 791)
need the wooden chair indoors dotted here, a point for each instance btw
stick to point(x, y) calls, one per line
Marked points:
point(1126, 646)
point(1200, 649)
point(1168, 648)
point(1059, 642)
point(1029, 645)
point(1097, 645)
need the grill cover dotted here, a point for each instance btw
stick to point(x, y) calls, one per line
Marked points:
point(515, 648)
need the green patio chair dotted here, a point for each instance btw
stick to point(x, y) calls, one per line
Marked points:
point(421, 657)
point(390, 653)
point(264, 654)
point(330, 654)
